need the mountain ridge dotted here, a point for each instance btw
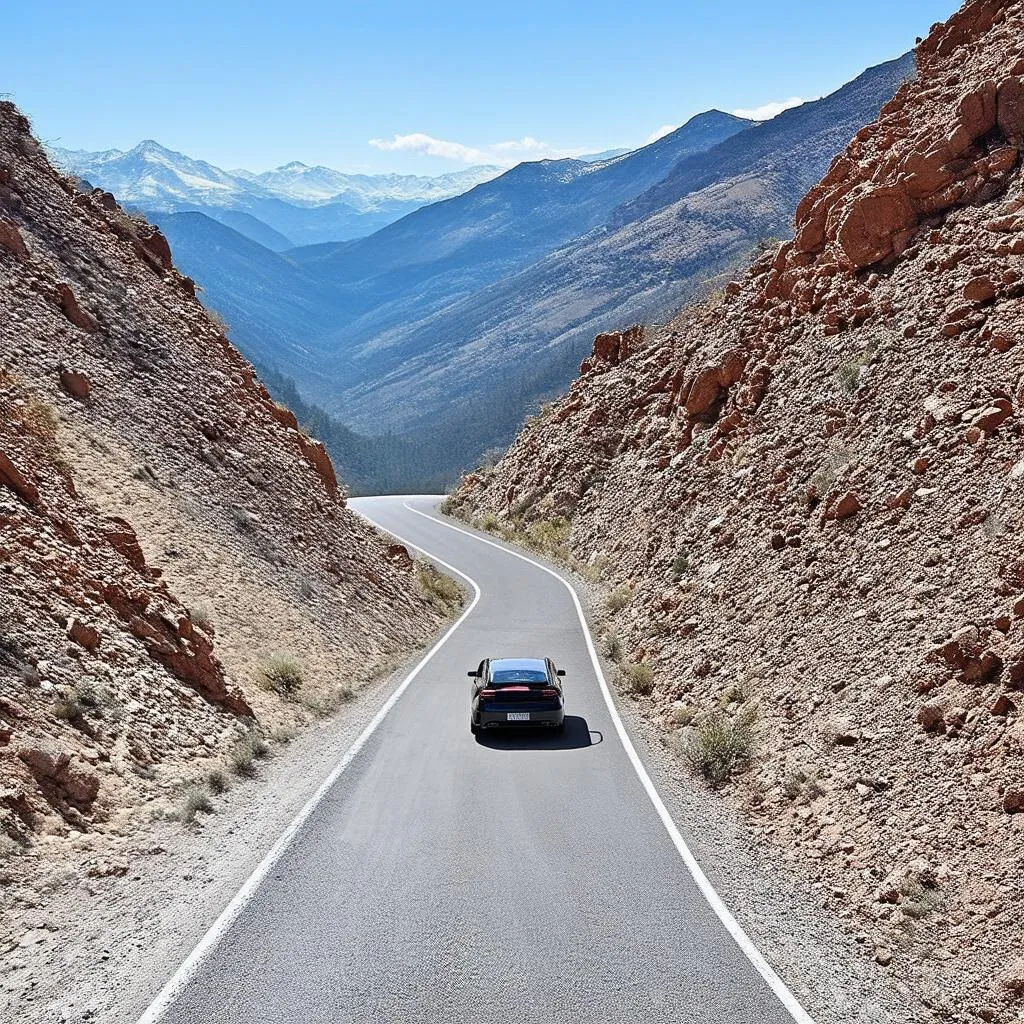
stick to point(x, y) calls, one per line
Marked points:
point(335, 206)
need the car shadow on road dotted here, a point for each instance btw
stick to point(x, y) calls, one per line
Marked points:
point(576, 735)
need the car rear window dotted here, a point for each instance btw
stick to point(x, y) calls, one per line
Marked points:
point(518, 675)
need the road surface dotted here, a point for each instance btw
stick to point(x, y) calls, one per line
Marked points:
point(512, 878)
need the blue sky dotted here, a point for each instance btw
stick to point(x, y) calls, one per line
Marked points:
point(436, 84)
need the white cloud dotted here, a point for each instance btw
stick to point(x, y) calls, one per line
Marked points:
point(427, 145)
point(506, 153)
point(660, 133)
point(769, 110)
point(524, 145)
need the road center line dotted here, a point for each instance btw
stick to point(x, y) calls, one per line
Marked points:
point(209, 942)
point(732, 926)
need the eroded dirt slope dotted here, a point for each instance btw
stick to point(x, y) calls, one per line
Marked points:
point(810, 489)
point(164, 531)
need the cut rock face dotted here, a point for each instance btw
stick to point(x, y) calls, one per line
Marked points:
point(149, 486)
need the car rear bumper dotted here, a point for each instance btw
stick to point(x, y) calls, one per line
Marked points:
point(498, 719)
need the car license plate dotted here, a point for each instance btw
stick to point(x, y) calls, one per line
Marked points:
point(518, 716)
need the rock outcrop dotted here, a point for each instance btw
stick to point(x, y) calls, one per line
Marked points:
point(811, 488)
point(164, 527)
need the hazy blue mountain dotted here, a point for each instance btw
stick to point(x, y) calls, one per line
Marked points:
point(653, 254)
point(446, 251)
point(270, 304)
point(444, 328)
point(300, 204)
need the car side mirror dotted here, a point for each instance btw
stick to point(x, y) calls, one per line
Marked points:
point(560, 672)
point(473, 675)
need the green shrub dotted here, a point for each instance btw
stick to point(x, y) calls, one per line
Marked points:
point(282, 674)
point(721, 745)
point(618, 599)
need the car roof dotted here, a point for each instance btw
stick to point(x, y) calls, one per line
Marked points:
point(519, 665)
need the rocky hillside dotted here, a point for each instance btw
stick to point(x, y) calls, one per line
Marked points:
point(165, 532)
point(807, 496)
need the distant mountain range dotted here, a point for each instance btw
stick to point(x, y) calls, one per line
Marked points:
point(441, 331)
point(291, 205)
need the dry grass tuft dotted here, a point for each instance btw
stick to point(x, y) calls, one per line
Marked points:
point(282, 674)
point(721, 745)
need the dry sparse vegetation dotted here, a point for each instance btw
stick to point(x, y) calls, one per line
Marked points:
point(441, 590)
point(282, 674)
point(721, 745)
point(637, 679)
point(196, 800)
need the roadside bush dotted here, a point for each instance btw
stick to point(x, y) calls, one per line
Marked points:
point(721, 745)
point(283, 734)
point(246, 752)
point(636, 679)
point(618, 599)
point(195, 801)
point(442, 591)
point(217, 780)
point(326, 704)
point(549, 536)
point(282, 674)
point(612, 647)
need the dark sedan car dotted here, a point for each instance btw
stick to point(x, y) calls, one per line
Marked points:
point(517, 692)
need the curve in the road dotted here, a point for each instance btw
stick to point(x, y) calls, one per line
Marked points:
point(434, 878)
point(750, 950)
point(177, 983)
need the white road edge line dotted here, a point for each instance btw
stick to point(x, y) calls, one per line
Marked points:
point(206, 945)
point(732, 926)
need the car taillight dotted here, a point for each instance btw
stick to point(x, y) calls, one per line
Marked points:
point(485, 694)
point(549, 694)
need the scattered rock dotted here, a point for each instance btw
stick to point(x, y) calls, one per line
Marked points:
point(1013, 800)
point(931, 716)
point(75, 383)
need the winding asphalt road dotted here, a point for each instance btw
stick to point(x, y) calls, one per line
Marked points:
point(515, 878)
